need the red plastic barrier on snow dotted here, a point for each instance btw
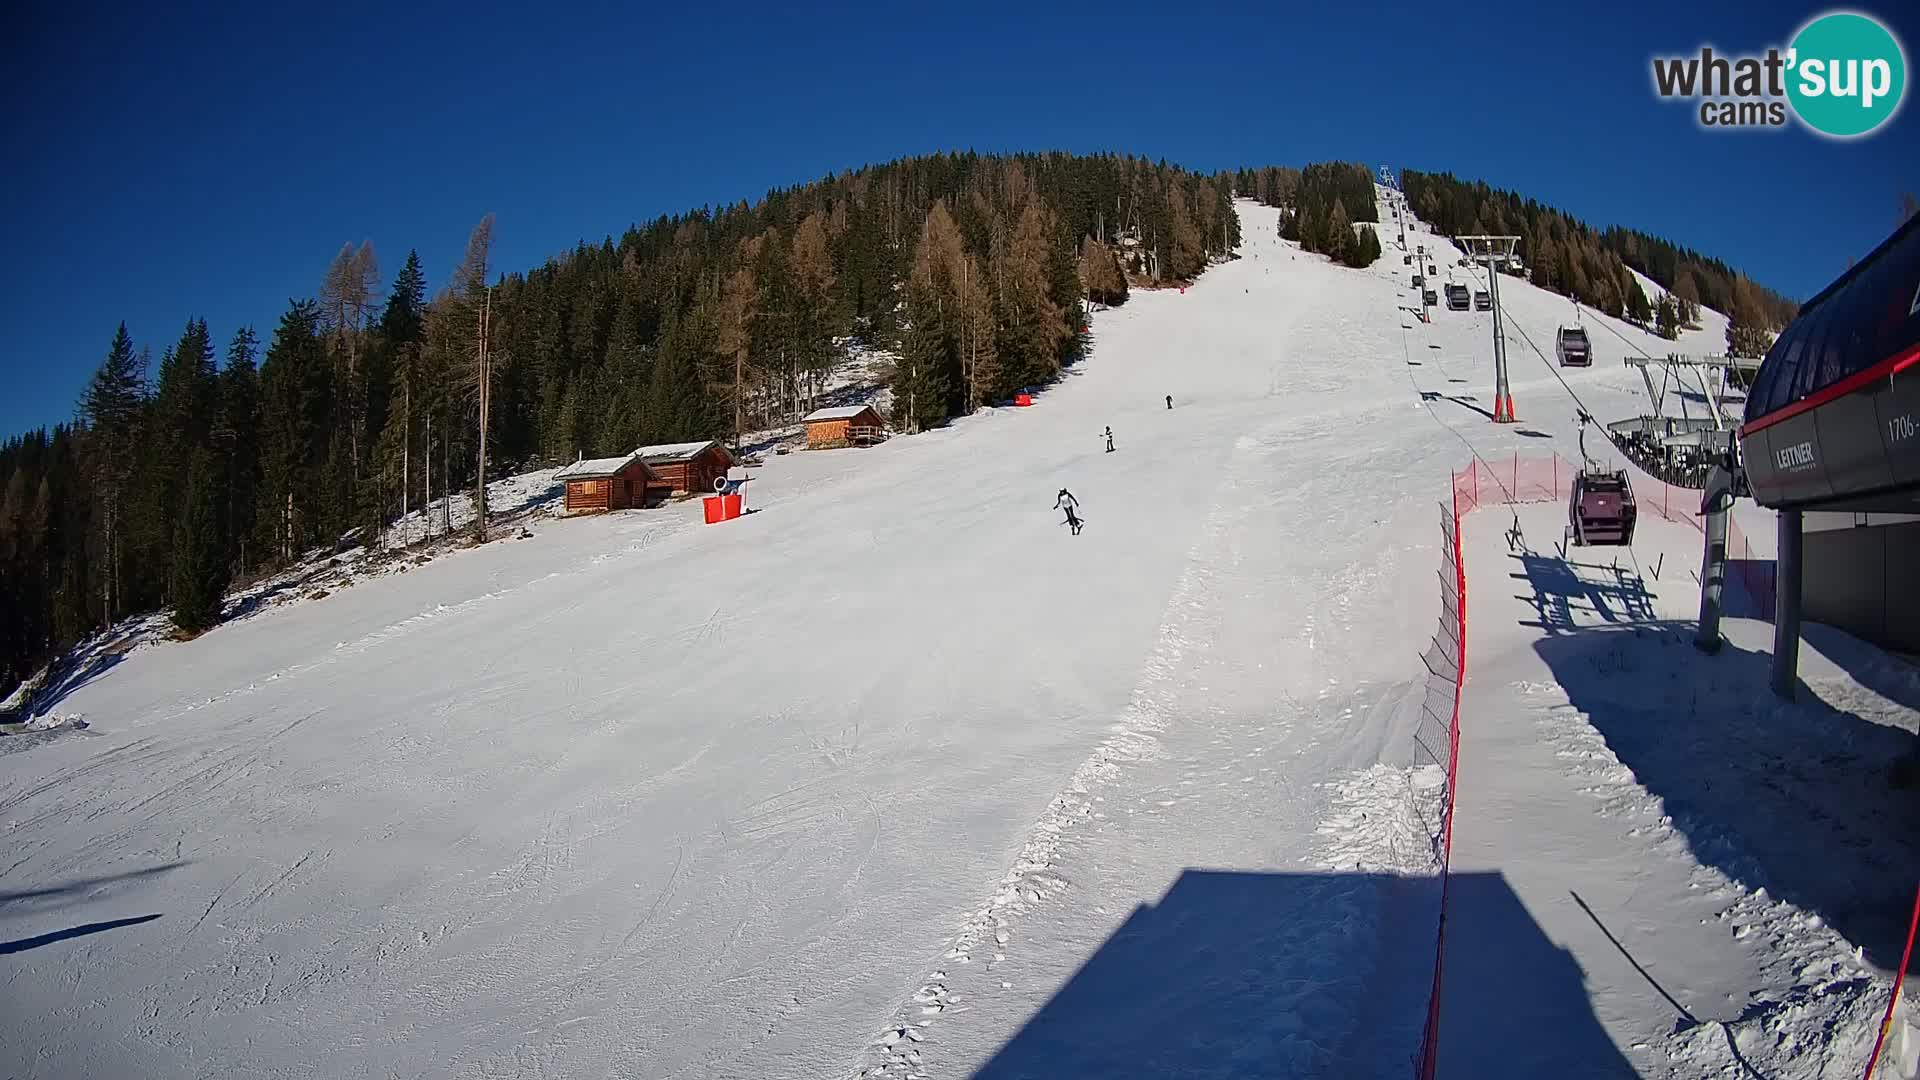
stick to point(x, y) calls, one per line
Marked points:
point(730, 506)
point(716, 509)
point(1023, 400)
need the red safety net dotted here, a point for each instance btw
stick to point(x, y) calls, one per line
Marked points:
point(1510, 482)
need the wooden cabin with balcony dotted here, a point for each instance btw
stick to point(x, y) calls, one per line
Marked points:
point(849, 425)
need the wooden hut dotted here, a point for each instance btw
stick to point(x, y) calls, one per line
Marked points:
point(600, 484)
point(682, 468)
point(850, 425)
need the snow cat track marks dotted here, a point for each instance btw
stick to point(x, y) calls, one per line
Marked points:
point(69, 777)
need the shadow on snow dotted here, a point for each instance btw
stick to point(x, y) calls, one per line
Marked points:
point(1794, 797)
point(1235, 974)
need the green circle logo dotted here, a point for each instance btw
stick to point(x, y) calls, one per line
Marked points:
point(1846, 74)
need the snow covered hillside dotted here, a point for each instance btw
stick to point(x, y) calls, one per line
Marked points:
point(893, 774)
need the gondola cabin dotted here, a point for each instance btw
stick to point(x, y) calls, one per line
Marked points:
point(1600, 508)
point(850, 425)
point(598, 485)
point(1574, 348)
point(685, 468)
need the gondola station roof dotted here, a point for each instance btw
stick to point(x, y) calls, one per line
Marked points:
point(1833, 418)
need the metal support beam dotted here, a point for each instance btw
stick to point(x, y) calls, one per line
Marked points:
point(1786, 608)
point(1714, 503)
point(1502, 390)
point(1495, 251)
point(1653, 395)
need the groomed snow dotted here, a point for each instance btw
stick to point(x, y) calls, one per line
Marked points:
point(893, 774)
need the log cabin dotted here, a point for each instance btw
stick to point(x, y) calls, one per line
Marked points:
point(683, 468)
point(598, 485)
point(850, 425)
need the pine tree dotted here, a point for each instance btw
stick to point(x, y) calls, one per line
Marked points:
point(185, 406)
point(1033, 328)
point(1340, 241)
point(236, 437)
point(1639, 311)
point(400, 322)
point(1365, 248)
point(112, 408)
point(925, 374)
point(198, 570)
point(1667, 317)
point(294, 441)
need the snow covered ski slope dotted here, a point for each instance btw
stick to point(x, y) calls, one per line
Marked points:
point(893, 774)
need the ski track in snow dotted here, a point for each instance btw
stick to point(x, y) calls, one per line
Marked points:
point(1132, 739)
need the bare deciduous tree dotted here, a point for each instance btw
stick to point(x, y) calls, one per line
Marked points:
point(347, 297)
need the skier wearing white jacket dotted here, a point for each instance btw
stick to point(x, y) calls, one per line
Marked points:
point(1066, 501)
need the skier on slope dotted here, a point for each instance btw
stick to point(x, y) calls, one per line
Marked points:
point(1066, 501)
point(1109, 440)
point(1169, 402)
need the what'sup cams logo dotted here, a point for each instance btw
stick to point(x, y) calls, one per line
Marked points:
point(1843, 76)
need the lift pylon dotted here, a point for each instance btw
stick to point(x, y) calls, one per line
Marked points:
point(1495, 251)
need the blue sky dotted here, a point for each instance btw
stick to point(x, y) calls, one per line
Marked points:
point(169, 162)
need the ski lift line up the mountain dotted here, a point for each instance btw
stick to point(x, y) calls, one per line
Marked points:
point(1494, 250)
point(1492, 474)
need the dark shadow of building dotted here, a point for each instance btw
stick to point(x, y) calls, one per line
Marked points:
point(1244, 975)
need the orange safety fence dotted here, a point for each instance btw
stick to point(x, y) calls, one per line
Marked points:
point(1538, 479)
point(1437, 742)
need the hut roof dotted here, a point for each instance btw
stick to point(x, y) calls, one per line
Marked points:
point(844, 412)
point(669, 453)
point(596, 468)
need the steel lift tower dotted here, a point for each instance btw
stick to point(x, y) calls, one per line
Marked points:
point(1495, 251)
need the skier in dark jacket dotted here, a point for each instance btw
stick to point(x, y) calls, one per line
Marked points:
point(1169, 401)
point(1066, 501)
point(1109, 440)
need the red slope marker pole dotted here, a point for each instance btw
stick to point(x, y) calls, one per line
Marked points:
point(1905, 955)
